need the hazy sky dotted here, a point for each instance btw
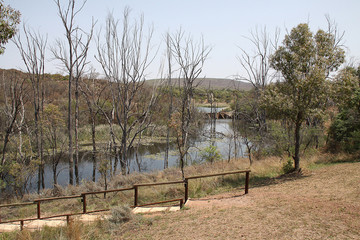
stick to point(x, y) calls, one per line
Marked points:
point(223, 24)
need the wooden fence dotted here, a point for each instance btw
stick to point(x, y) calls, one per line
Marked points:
point(135, 188)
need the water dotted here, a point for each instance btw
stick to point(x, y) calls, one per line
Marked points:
point(152, 156)
point(208, 110)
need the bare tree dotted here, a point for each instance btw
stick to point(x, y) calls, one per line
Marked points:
point(54, 124)
point(190, 57)
point(171, 95)
point(125, 56)
point(13, 90)
point(32, 52)
point(73, 56)
point(256, 66)
point(92, 92)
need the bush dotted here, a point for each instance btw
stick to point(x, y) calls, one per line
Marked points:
point(210, 154)
point(344, 132)
point(288, 166)
point(120, 214)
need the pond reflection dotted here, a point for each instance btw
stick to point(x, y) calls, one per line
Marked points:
point(151, 157)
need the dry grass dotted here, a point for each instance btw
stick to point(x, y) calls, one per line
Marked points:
point(146, 194)
point(322, 203)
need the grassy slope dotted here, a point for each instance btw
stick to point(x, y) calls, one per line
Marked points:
point(321, 204)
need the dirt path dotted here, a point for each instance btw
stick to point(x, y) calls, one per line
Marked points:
point(321, 204)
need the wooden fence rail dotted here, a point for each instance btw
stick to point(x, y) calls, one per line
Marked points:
point(134, 188)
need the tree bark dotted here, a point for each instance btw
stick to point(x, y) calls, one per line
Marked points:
point(76, 132)
point(297, 145)
point(93, 135)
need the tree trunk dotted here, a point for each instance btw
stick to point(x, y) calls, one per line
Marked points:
point(76, 161)
point(42, 135)
point(54, 176)
point(123, 158)
point(37, 140)
point(166, 160)
point(93, 132)
point(297, 145)
point(71, 159)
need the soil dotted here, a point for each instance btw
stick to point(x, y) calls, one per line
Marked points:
point(322, 203)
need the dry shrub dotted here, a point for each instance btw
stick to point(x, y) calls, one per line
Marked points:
point(74, 230)
point(57, 191)
point(91, 186)
point(24, 235)
point(173, 192)
point(120, 214)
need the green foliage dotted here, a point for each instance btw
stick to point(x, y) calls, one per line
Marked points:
point(9, 19)
point(304, 61)
point(346, 88)
point(344, 132)
point(56, 77)
point(280, 138)
point(288, 166)
point(210, 154)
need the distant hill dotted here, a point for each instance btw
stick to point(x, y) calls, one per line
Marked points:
point(214, 83)
point(204, 83)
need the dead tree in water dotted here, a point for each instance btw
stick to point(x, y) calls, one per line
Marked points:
point(73, 56)
point(190, 57)
point(171, 95)
point(92, 92)
point(125, 56)
point(13, 94)
point(32, 52)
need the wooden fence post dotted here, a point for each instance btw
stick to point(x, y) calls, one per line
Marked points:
point(21, 225)
point(84, 202)
point(247, 182)
point(38, 210)
point(135, 196)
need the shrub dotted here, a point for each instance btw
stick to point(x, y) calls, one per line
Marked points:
point(344, 132)
point(210, 154)
point(120, 214)
point(288, 166)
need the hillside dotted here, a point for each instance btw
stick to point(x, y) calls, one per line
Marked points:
point(203, 83)
point(214, 83)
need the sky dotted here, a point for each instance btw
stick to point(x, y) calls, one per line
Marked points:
point(224, 25)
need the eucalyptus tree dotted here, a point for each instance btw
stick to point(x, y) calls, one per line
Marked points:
point(344, 131)
point(73, 55)
point(190, 57)
point(125, 57)
point(305, 61)
point(32, 48)
point(9, 19)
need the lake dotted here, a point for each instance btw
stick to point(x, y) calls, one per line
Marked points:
point(152, 156)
